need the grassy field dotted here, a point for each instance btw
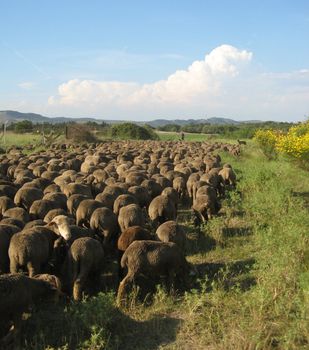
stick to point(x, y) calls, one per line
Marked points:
point(14, 139)
point(174, 136)
point(252, 290)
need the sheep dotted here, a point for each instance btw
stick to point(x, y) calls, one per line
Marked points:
point(26, 196)
point(130, 215)
point(40, 208)
point(53, 213)
point(5, 204)
point(141, 194)
point(74, 201)
point(151, 259)
point(228, 176)
point(122, 201)
point(162, 209)
point(75, 188)
point(131, 234)
point(204, 208)
point(32, 247)
point(17, 294)
point(179, 184)
point(84, 260)
point(6, 233)
point(17, 213)
point(170, 231)
point(104, 222)
point(85, 210)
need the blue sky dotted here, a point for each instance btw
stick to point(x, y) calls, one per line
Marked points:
point(132, 59)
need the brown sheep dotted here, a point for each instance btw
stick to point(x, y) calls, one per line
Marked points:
point(40, 208)
point(85, 210)
point(17, 294)
point(26, 196)
point(104, 222)
point(152, 259)
point(32, 248)
point(75, 188)
point(84, 260)
point(74, 201)
point(131, 234)
point(162, 209)
point(141, 194)
point(228, 176)
point(179, 184)
point(6, 233)
point(5, 204)
point(130, 215)
point(204, 208)
point(106, 199)
point(17, 213)
point(122, 201)
point(53, 213)
point(170, 231)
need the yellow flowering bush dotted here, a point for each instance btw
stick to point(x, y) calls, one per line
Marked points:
point(295, 143)
point(267, 140)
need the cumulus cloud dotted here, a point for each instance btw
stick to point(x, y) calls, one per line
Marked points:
point(222, 84)
point(200, 78)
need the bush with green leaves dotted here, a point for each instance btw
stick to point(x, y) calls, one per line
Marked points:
point(133, 132)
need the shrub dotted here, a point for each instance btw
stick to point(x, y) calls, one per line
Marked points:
point(79, 133)
point(295, 143)
point(267, 139)
point(133, 131)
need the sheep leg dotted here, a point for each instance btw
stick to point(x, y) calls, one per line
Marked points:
point(122, 289)
point(14, 266)
point(79, 283)
point(33, 268)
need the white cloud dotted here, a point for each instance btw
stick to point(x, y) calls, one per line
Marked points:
point(218, 85)
point(26, 85)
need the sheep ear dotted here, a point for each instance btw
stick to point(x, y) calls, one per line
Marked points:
point(51, 224)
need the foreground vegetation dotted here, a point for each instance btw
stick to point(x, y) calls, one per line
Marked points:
point(252, 289)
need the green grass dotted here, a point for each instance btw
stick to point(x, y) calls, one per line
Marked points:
point(252, 291)
point(14, 139)
point(174, 136)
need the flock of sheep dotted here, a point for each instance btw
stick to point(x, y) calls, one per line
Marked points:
point(66, 210)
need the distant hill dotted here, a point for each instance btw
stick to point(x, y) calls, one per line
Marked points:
point(14, 116)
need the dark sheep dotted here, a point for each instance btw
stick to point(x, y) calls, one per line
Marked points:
point(130, 215)
point(122, 201)
point(40, 208)
point(26, 196)
point(204, 208)
point(5, 204)
point(152, 259)
point(12, 221)
point(58, 197)
point(74, 201)
point(53, 213)
point(17, 213)
point(6, 233)
point(84, 261)
point(171, 231)
point(17, 294)
point(162, 209)
point(85, 210)
point(32, 248)
point(104, 222)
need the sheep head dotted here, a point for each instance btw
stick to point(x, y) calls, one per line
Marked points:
point(61, 226)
